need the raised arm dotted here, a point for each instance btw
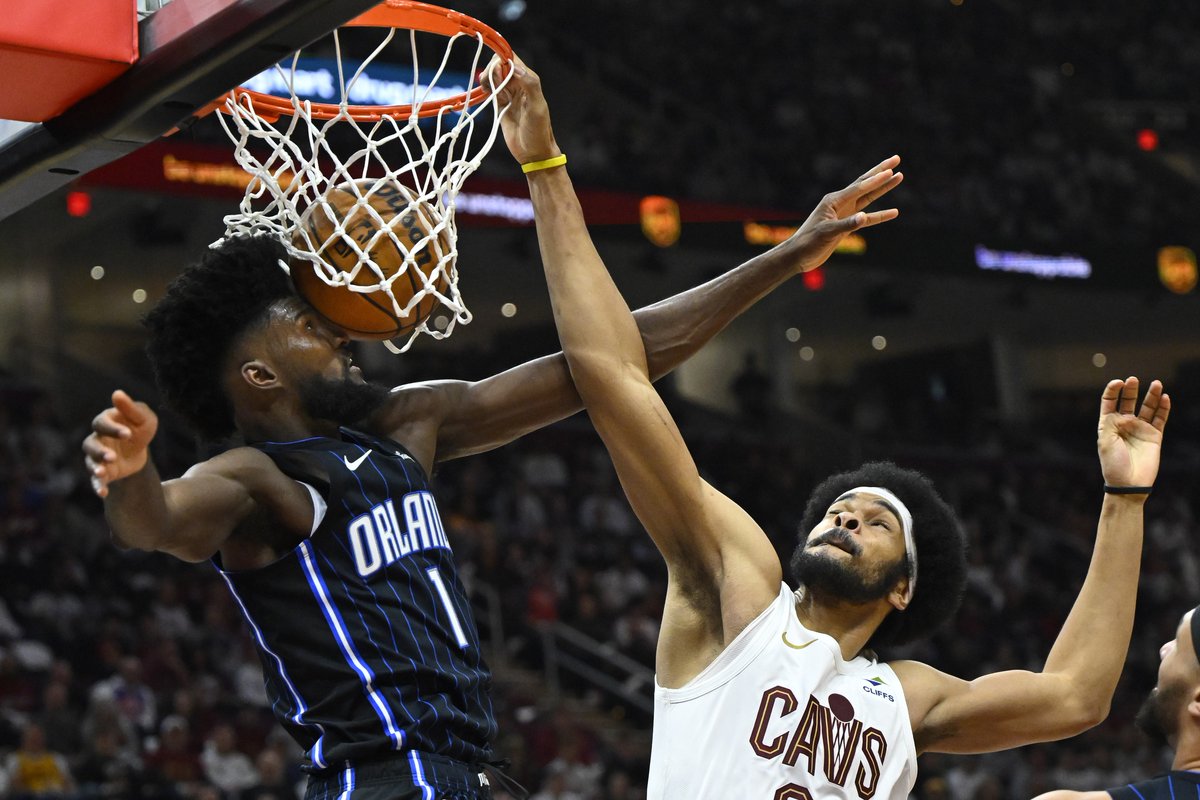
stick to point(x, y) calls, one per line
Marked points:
point(482, 415)
point(722, 570)
point(479, 416)
point(1075, 687)
point(190, 517)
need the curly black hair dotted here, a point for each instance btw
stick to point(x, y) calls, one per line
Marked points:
point(938, 535)
point(205, 310)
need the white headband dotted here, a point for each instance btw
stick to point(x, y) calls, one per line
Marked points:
point(906, 527)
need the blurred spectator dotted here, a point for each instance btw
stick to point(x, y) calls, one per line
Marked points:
point(605, 511)
point(622, 583)
point(636, 631)
point(107, 770)
point(132, 697)
point(554, 786)
point(169, 612)
point(751, 388)
point(175, 759)
point(619, 786)
point(34, 771)
point(104, 717)
point(224, 765)
point(58, 720)
point(272, 780)
point(545, 469)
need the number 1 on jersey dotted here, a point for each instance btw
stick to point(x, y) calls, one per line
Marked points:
point(438, 584)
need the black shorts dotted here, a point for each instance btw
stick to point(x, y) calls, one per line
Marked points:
point(409, 776)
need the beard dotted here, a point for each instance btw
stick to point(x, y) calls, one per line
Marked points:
point(344, 401)
point(1156, 717)
point(830, 576)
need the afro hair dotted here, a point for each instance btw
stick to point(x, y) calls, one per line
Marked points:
point(205, 310)
point(937, 533)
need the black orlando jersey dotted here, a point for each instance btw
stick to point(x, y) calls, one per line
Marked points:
point(1176, 785)
point(365, 632)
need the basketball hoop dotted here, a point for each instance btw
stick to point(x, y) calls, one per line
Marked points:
point(298, 151)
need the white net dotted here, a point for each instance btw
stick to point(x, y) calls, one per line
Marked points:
point(320, 162)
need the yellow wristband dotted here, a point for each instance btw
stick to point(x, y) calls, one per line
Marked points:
point(534, 166)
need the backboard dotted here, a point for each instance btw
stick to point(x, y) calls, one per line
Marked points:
point(190, 52)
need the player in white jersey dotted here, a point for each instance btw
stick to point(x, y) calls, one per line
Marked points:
point(768, 693)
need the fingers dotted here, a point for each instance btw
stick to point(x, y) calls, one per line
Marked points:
point(887, 163)
point(1120, 397)
point(499, 77)
point(1162, 412)
point(874, 194)
point(494, 74)
point(97, 475)
point(107, 423)
point(867, 189)
point(864, 219)
point(864, 185)
point(97, 451)
point(1110, 396)
point(1156, 407)
point(97, 456)
point(1129, 396)
point(876, 217)
point(134, 413)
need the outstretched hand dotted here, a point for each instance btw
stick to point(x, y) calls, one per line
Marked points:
point(525, 118)
point(1129, 443)
point(841, 213)
point(118, 444)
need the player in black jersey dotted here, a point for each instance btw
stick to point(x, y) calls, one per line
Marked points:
point(323, 525)
point(1170, 716)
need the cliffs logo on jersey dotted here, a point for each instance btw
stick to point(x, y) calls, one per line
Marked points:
point(874, 689)
point(823, 738)
point(377, 538)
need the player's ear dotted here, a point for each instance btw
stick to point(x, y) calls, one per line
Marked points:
point(1193, 706)
point(898, 597)
point(259, 374)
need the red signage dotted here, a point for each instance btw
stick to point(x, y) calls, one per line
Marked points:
point(187, 168)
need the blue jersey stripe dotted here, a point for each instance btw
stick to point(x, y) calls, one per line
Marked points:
point(338, 625)
point(418, 773)
point(318, 753)
point(299, 441)
point(367, 628)
point(349, 783)
point(300, 705)
point(398, 650)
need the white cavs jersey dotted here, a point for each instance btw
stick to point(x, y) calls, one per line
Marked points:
point(779, 715)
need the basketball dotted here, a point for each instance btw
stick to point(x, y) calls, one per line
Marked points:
point(407, 251)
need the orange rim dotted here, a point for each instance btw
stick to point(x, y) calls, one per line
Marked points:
point(406, 14)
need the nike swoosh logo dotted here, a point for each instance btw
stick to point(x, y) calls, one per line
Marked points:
point(796, 646)
point(356, 463)
point(409, 458)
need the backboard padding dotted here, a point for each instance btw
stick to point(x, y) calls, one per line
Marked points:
point(191, 52)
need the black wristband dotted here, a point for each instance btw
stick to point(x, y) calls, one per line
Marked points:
point(1127, 489)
